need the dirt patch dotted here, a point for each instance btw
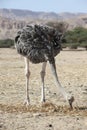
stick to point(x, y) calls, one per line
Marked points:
point(55, 114)
point(47, 108)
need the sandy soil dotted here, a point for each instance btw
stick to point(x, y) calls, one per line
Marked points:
point(53, 115)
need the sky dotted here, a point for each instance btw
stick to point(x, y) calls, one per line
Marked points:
point(57, 6)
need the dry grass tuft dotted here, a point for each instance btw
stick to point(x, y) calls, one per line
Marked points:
point(48, 108)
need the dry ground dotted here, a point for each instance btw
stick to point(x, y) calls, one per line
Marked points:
point(55, 114)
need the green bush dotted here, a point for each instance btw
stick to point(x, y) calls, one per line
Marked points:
point(72, 38)
point(70, 45)
point(60, 26)
point(76, 38)
point(6, 43)
point(77, 35)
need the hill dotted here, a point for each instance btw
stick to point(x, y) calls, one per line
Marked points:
point(13, 19)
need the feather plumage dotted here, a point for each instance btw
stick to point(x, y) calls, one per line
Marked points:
point(38, 43)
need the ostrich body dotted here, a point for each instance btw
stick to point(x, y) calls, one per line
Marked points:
point(39, 44)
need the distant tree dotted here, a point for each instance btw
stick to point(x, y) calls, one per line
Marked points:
point(60, 26)
point(77, 35)
point(6, 43)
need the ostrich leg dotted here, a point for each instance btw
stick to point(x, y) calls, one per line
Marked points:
point(61, 89)
point(42, 73)
point(27, 73)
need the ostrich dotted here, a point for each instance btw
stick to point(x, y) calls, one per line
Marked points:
point(39, 44)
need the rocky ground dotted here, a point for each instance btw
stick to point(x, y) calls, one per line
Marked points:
point(55, 114)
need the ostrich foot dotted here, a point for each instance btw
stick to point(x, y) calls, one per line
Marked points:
point(71, 100)
point(27, 102)
point(43, 100)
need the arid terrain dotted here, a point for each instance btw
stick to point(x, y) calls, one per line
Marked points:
point(53, 115)
point(12, 20)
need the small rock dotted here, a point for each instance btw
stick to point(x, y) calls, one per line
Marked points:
point(54, 93)
point(50, 125)
point(1, 125)
point(37, 114)
point(68, 83)
point(10, 85)
point(85, 89)
point(77, 118)
point(2, 93)
point(81, 85)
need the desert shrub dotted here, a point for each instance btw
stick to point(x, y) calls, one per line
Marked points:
point(6, 43)
point(60, 26)
point(76, 38)
point(71, 38)
point(70, 45)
